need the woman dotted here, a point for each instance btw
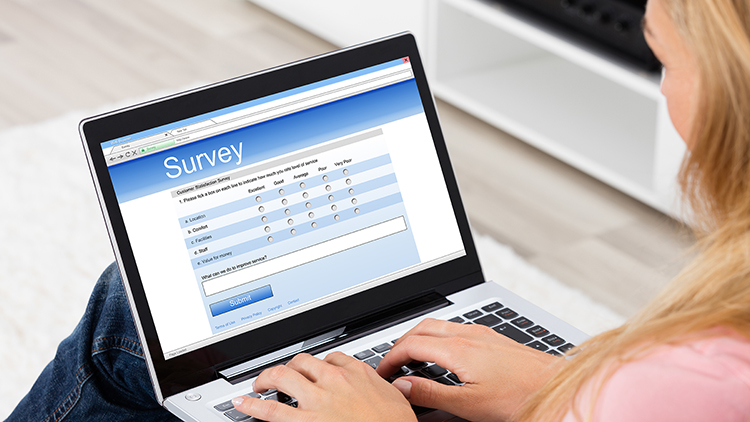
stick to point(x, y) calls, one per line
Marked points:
point(685, 357)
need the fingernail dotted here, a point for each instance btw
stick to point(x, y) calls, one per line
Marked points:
point(403, 386)
point(237, 401)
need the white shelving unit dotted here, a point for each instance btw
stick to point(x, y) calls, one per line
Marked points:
point(594, 112)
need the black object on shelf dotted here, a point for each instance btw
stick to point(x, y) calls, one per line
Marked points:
point(614, 25)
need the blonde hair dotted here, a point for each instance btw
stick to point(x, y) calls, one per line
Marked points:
point(714, 290)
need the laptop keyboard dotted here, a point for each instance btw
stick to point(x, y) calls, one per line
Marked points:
point(503, 320)
point(509, 323)
point(494, 315)
point(227, 408)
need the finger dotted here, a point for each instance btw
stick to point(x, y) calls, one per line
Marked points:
point(267, 410)
point(422, 349)
point(286, 379)
point(340, 359)
point(309, 366)
point(349, 363)
point(431, 394)
point(434, 327)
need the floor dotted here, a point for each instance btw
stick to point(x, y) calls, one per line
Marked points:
point(62, 55)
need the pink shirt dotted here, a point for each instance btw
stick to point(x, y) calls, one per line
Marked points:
point(704, 380)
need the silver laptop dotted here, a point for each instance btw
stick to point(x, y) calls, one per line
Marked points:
point(306, 208)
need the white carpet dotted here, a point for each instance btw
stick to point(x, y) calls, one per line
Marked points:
point(54, 245)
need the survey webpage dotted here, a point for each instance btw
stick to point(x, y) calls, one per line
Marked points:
point(263, 210)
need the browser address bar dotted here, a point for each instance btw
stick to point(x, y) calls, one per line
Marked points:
point(227, 123)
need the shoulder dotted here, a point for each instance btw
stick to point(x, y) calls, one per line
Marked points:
point(703, 380)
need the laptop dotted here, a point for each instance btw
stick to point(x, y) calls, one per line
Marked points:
point(310, 207)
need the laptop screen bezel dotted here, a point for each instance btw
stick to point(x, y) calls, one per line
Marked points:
point(200, 366)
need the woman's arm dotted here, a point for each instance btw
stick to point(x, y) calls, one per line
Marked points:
point(499, 374)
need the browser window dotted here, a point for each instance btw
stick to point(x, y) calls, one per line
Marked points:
point(263, 210)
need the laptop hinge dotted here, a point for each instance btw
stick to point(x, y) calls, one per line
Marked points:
point(359, 328)
point(282, 354)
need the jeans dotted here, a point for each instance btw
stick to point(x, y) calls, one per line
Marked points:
point(99, 372)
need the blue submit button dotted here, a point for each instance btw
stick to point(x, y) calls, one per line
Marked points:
point(239, 301)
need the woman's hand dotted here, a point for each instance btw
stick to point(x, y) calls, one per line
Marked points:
point(499, 373)
point(338, 388)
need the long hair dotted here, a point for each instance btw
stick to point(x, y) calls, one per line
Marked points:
point(713, 290)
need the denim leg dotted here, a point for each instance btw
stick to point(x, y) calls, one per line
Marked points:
point(99, 372)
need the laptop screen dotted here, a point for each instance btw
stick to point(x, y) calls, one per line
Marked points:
point(246, 215)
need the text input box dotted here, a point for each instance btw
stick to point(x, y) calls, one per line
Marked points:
point(306, 255)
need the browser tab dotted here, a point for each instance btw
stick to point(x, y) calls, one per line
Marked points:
point(194, 126)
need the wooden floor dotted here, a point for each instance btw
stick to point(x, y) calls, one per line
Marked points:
point(63, 55)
